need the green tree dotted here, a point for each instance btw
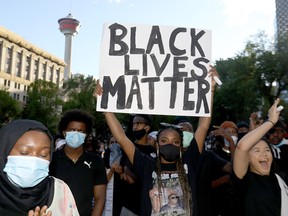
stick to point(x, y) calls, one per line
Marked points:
point(44, 103)
point(9, 108)
point(79, 94)
point(248, 81)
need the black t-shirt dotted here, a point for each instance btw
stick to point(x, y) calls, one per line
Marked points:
point(256, 195)
point(81, 176)
point(132, 198)
point(283, 162)
point(210, 165)
point(145, 168)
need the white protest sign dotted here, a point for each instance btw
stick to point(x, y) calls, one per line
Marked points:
point(154, 69)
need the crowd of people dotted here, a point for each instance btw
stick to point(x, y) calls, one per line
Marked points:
point(237, 168)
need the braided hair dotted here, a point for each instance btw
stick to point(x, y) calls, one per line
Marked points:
point(183, 179)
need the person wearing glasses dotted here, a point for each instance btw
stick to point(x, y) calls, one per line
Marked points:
point(172, 170)
point(173, 204)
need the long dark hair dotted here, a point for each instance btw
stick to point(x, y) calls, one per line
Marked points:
point(187, 196)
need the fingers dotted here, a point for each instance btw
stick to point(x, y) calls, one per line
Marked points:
point(277, 101)
point(40, 212)
point(43, 210)
point(31, 213)
point(273, 113)
point(213, 71)
point(98, 90)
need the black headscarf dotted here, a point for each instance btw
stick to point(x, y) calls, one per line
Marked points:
point(15, 201)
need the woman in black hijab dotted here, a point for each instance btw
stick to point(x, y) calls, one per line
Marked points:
point(25, 153)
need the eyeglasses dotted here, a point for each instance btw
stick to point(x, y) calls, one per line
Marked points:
point(174, 197)
point(167, 125)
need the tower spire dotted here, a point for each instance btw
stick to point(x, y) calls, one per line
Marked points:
point(69, 27)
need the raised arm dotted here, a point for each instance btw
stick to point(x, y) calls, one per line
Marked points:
point(204, 122)
point(241, 154)
point(119, 134)
point(117, 130)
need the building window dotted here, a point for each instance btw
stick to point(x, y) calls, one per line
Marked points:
point(15, 85)
point(24, 87)
point(27, 68)
point(1, 47)
point(18, 64)
point(8, 65)
point(19, 85)
point(5, 82)
point(24, 98)
point(36, 64)
point(50, 75)
point(14, 96)
point(58, 76)
point(18, 96)
point(9, 83)
point(44, 71)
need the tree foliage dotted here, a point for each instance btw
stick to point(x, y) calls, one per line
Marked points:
point(251, 80)
point(79, 94)
point(44, 103)
point(9, 108)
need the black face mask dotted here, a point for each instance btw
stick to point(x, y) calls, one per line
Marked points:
point(240, 135)
point(139, 134)
point(169, 152)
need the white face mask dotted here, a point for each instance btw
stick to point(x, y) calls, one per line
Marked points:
point(74, 139)
point(227, 143)
point(26, 171)
point(187, 138)
point(235, 139)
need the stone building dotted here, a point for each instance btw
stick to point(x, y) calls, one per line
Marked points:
point(281, 21)
point(21, 63)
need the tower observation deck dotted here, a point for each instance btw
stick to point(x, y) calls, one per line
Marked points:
point(69, 27)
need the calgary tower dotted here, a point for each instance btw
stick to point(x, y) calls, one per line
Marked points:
point(69, 27)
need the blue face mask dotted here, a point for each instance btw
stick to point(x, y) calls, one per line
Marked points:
point(74, 139)
point(187, 138)
point(115, 154)
point(26, 171)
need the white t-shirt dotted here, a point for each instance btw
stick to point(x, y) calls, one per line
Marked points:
point(63, 201)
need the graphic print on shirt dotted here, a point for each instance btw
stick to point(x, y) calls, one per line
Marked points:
point(169, 201)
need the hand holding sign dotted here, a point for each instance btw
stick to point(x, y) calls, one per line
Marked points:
point(215, 76)
point(98, 91)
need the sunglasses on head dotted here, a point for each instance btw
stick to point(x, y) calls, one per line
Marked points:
point(167, 125)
